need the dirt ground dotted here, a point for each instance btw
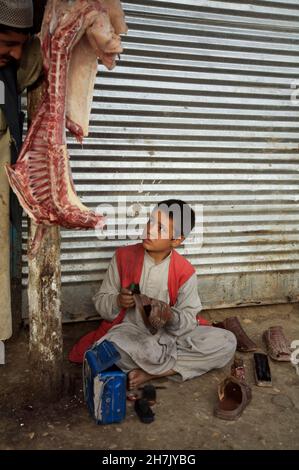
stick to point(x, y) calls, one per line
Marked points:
point(183, 413)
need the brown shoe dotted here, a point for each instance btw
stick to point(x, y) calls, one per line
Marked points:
point(244, 343)
point(143, 304)
point(277, 344)
point(234, 395)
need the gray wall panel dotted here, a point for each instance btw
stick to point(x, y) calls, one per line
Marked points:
point(198, 107)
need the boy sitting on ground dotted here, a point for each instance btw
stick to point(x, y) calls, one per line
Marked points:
point(179, 347)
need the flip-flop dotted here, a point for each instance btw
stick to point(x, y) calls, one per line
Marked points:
point(149, 393)
point(143, 410)
point(277, 344)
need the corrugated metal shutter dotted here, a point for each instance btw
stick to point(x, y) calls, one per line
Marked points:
point(199, 108)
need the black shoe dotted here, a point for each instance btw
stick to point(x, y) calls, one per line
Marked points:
point(143, 410)
point(149, 393)
point(262, 370)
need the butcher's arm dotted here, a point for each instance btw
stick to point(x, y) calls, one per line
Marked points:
point(31, 64)
point(105, 300)
point(184, 312)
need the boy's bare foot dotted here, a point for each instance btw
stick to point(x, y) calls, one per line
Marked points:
point(138, 377)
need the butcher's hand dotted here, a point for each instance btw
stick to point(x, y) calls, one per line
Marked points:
point(125, 299)
point(160, 314)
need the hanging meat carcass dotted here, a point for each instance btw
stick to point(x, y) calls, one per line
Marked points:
point(74, 35)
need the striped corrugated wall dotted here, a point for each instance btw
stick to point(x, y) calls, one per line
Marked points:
point(199, 108)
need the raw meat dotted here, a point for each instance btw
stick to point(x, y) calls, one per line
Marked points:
point(73, 36)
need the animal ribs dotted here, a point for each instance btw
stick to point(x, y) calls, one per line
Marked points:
point(73, 36)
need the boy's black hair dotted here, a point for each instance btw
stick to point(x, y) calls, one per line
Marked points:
point(6, 29)
point(181, 213)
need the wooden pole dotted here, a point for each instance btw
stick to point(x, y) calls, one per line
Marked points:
point(44, 299)
point(44, 294)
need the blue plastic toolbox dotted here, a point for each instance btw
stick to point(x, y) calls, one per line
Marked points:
point(104, 390)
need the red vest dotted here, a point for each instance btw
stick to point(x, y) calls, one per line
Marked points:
point(130, 263)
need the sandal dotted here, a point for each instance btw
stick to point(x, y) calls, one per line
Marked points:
point(262, 372)
point(277, 344)
point(149, 393)
point(143, 410)
point(244, 343)
point(143, 305)
point(234, 395)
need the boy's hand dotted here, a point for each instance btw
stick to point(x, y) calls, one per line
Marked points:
point(125, 299)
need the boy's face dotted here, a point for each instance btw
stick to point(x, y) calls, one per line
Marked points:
point(159, 234)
